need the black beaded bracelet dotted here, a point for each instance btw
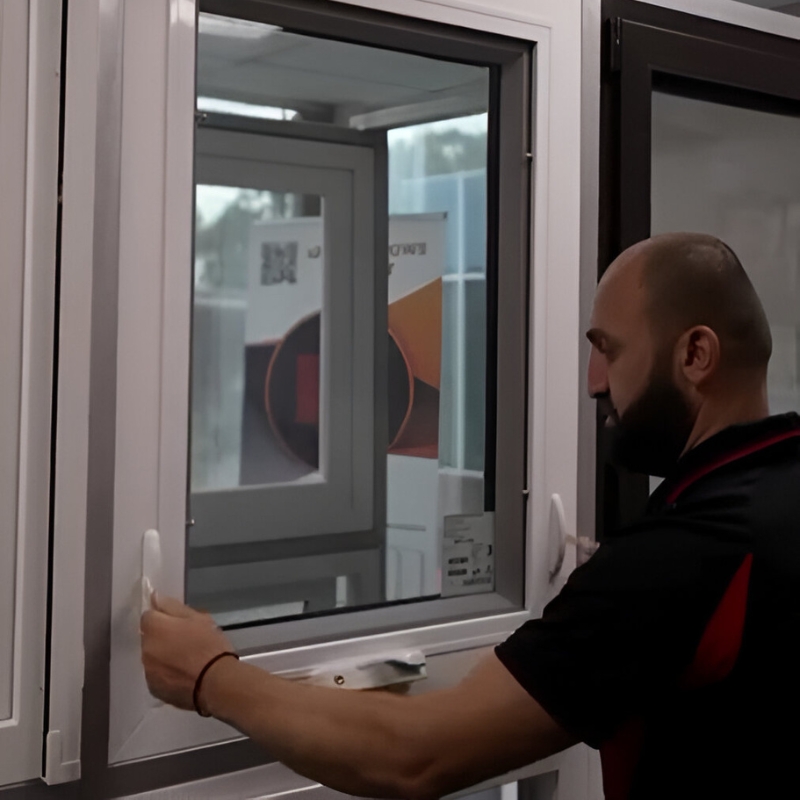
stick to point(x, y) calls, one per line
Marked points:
point(196, 692)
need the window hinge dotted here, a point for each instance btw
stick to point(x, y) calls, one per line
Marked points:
point(200, 118)
point(615, 45)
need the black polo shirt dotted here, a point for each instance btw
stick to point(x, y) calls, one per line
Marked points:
point(676, 648)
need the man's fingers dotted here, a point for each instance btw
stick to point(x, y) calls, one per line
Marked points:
point(148, 622)
point(175, 608)
point(171, 606)
point(162, 618)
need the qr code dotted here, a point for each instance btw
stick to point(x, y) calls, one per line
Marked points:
point(278, 263)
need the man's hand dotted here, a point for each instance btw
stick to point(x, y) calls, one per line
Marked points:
point(177, 642)
point(369, 744)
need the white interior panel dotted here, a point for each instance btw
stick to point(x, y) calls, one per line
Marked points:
point(13, 129)
point(29, 99)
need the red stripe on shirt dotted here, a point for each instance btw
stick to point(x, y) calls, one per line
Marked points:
point(719, 648)
point(728, 459)
point(619, 757)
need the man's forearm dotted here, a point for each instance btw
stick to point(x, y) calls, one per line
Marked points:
point(361, 743)
point(378, 744)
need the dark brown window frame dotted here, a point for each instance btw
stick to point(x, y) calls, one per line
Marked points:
point(647, 48)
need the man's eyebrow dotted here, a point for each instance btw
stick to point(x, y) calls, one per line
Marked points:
point(602, 340)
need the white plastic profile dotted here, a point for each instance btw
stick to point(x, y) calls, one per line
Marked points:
point(30, 82)
point(88, 69)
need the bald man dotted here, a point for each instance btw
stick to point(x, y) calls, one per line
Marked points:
point(674, 649)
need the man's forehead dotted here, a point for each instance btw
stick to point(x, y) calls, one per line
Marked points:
point(620, 294)
point(627, 269)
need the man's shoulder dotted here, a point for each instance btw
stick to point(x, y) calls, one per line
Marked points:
point(664, 550)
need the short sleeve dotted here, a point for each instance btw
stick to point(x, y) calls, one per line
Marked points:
point(617, 639)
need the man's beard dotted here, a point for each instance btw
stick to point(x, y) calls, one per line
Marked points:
point(652, 433)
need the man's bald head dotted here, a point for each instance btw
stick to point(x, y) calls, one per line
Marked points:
point(703, 365)
point(692, 279)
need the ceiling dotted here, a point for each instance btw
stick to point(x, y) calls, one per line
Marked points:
point(325, 80)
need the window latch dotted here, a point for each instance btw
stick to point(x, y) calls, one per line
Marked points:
point(366, 673)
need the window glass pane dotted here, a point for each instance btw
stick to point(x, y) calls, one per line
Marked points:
point(259, 70)
point(735, 173)
point(263, 287)
point(441, 167)
point(258, 294)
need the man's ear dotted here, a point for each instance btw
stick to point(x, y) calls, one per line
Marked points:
point(698, 354)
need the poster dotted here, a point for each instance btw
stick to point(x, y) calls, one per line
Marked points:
point(280, 424)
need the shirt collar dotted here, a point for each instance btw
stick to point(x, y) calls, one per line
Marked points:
point(723, 448)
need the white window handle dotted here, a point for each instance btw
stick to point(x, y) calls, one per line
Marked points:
point(151, 578)
point(557, 536)
point(560, 537)
point(151, 567)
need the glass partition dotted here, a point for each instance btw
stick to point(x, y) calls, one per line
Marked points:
point(775, 5)
point(735, 173)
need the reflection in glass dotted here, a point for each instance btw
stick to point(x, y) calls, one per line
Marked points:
point(735, 173)
point(307, 79)
point(256, 338)
point(441, 167)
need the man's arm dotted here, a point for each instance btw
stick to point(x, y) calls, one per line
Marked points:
point(375, 744)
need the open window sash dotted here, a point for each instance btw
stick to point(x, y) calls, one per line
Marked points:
point(336, 497)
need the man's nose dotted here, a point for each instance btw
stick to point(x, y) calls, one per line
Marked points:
point(598, 375)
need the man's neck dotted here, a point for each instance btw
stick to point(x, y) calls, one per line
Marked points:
point(734, 409)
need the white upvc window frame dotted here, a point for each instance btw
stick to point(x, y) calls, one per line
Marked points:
point(338, 498)
point(30, 33)
point(157, 42)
